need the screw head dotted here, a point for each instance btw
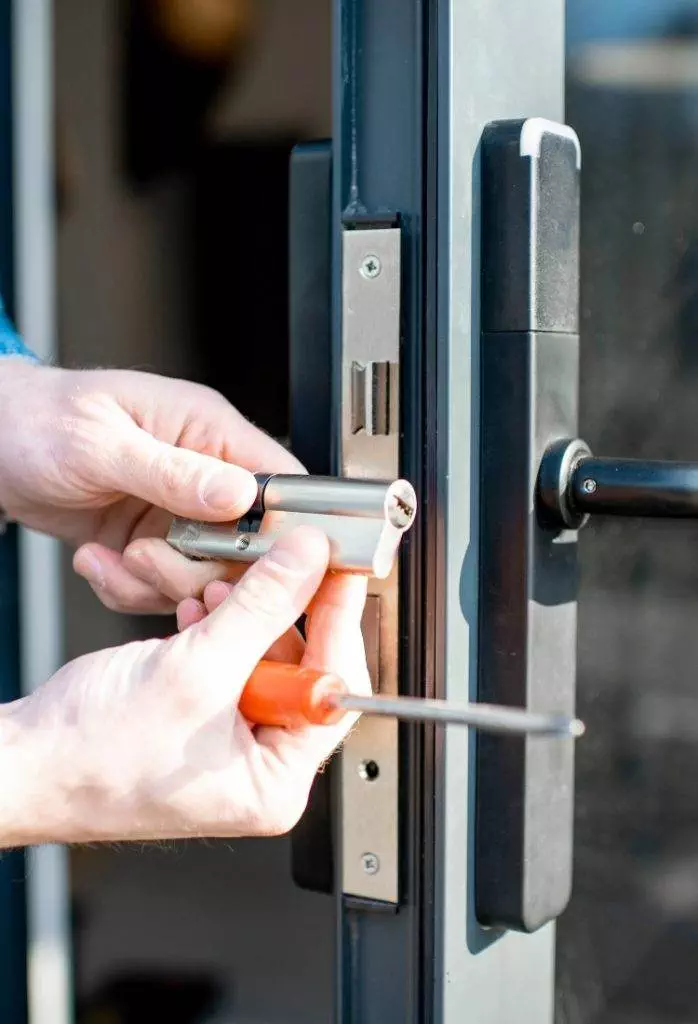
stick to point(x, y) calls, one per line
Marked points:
point(589, 486)
point(370, 863)
point(242, 543)
point(371, 266)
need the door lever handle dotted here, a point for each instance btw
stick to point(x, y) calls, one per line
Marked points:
point(574, 484)
point(527, 574)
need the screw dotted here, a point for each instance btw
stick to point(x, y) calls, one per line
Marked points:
point(242, 543)
point(371, 267)
point(589, 486)
point(370, 863)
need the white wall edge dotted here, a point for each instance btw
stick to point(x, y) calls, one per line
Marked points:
point(48, 900)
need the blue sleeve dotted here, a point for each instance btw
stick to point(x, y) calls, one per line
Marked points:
point(10, 342)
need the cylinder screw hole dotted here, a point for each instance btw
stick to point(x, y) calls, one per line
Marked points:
point(369, 771)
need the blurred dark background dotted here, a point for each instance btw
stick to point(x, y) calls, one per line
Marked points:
point(627, 949)
point(175, 120)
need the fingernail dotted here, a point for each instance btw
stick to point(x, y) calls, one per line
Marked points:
point(90, 568)
point(216, 588)
point(215, 593)
point(189, 612)
point(230, 490)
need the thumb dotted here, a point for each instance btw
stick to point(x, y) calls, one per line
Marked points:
point(181, 481)
point(263, 606)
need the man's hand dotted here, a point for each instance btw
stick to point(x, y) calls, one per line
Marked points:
point(103, 458)
point(145, 741)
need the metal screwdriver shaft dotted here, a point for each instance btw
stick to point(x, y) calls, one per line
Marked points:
point(485, 717)
point(292, 696)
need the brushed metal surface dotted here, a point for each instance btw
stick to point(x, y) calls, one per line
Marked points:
point(369, 450)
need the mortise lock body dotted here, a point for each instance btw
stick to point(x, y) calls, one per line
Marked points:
point(364, 521)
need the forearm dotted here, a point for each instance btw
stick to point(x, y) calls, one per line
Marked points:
point(45, 796)
point(25, 441)
point(29, 804)
point(49, 791)
point(60, 782)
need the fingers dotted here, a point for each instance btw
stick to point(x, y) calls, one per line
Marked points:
point(152, 560)
point(189, 612)
point(116, 587)
point(338, 603)
point(334, 643)
point(334, 638)
point(202, 420)
point(251, 447)
point(289, 648)
point(262, 607)
point(179, 480)
point(215, 594)
point(155, 522)
point(148, 576)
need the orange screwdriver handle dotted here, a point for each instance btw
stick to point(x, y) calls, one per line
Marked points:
point(290, 696)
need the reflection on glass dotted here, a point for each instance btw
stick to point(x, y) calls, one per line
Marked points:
point(628, 946)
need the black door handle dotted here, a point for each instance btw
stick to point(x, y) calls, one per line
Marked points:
point(538, 486)
point(573, 484)
point(528, 581)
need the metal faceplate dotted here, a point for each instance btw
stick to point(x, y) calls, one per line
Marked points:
point(369, 449)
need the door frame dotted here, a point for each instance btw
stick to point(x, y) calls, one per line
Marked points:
point(415, 83)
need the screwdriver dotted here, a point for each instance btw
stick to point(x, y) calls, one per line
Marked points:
point(291, 696)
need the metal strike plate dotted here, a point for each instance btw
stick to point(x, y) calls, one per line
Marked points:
point(369, 449)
